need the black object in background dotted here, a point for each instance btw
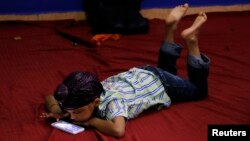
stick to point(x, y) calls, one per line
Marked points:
point(115, 16)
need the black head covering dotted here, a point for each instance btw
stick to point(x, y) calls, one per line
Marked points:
point(78, 89)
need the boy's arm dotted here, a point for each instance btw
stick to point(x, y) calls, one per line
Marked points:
point(52, 105)
point(114, 127)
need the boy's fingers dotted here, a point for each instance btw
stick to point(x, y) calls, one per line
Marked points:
point(44, 115)
point(78, 123)
point(81, 123)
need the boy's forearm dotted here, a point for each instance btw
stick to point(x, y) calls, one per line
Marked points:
point(52, 105)
point(108, 127)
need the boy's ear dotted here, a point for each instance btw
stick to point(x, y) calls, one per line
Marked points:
point(96, 102)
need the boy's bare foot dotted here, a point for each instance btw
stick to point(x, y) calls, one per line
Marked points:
point(190, 33)
point(176, 14)
point(172, 20)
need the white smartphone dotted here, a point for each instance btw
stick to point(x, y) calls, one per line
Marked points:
point(67, 127)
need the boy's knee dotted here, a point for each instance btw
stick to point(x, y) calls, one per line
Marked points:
point(171, 49)
point(199, 63)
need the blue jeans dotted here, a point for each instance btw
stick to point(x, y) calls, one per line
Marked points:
point(179, 89)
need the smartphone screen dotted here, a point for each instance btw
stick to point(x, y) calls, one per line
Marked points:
point(67, 127)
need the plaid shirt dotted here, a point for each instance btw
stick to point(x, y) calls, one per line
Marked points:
point(129, 93)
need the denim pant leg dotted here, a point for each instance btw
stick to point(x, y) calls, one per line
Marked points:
point(168, 55)
point(195, 88)
point(198, 71)
point(176, 87)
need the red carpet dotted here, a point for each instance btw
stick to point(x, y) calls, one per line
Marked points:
point(32, 66)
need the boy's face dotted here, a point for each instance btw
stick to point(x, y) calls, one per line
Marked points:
point(83, 113)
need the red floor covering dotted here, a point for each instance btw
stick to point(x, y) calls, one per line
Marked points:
point(32, 66)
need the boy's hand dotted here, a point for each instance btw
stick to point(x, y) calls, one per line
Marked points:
point(82, 123)
point(53, 115)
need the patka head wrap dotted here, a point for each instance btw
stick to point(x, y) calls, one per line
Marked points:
point(77, 90)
